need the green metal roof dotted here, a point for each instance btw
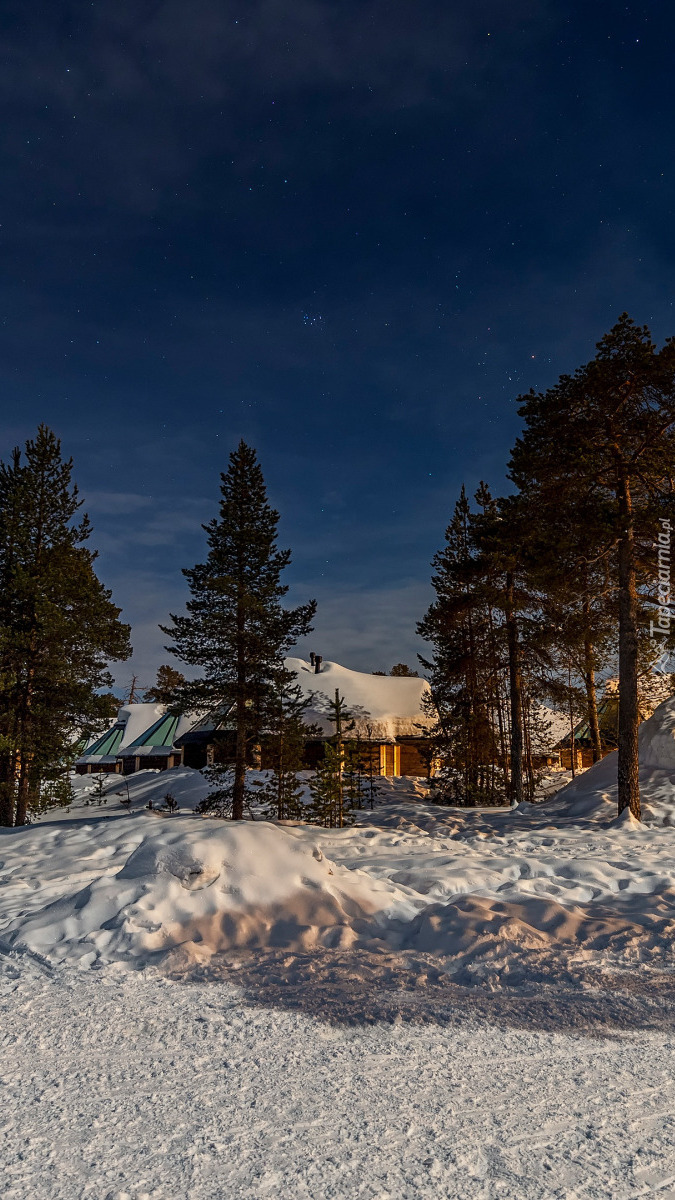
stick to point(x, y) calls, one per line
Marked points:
point(608, 720)
point(107, 744)
point(208, 725)
point(161, 734)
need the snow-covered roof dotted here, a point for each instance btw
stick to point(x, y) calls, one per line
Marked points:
point(552, 726)
point(160, 737)
point(391, 705)
point(132, 721)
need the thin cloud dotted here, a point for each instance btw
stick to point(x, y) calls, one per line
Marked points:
point(116, 503)
point(146, 92)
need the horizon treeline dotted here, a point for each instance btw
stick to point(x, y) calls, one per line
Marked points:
point(539, 591)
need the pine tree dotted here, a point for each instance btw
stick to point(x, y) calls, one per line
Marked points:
point(53, 793)
point(603, 442)
point(236, 629)
point(326, 789)
point(517, 628)
point(372, 787)
point(58, 625)
point(355, 773)
point(98, 790)
point(491, 655)
point(166, 686)
point(579, 610)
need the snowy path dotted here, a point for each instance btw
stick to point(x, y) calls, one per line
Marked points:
point(130, 1086)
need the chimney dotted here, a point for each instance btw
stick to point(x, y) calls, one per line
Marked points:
point(312, 656)
point(318, 659)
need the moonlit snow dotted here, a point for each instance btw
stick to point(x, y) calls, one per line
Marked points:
point(434, 1002)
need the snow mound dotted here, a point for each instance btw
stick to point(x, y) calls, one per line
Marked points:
point(531, 894)
point(204, 888)
point(593, 795)
point(491, 895)
point(657, 738)
point(188, 788)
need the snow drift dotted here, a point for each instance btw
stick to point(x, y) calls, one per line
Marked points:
point(540, 892)
point(593, 794)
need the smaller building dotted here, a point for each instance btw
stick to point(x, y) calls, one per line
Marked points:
point(608, 720)
point(133, 722)
point(155, 749)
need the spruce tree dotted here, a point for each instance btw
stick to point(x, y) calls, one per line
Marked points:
point(355, 773)
point(285, 735)
point(372, 777)
point(500, 537)
point(463, 671)
point(491, 655)
point(236, 629)
point(58, 625)
point(327, 789)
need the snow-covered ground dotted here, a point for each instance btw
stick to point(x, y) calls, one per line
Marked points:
point(434, 1002)
point(127, 1086)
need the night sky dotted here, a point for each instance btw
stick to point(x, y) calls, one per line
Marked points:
point(350, 233)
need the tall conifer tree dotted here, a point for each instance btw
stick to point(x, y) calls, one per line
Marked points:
point(58, 625)
point(464, 668)
point(604, 440)
point(236, 629)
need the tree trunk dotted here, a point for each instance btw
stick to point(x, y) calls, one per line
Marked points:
point(589, 676)
point(6, 790)
point(239, 785)
point(340, 751)
point(515, 693)
point(241, 715)
point(629, 720)
point(527, 741)
point(573, 745)
point(22, 793)
point(592, 701)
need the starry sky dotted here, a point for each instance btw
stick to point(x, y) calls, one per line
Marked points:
point(350, 232)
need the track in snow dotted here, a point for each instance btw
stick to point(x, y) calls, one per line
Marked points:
point(133, 1087)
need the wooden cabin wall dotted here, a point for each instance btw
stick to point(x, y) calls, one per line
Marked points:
point(415, 758)
point(583, 758)
point(406, 756)
point(403, 757)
